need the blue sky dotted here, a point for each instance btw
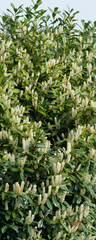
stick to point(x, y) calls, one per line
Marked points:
point(87, 8)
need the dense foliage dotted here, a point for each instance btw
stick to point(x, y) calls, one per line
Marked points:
point(47, 126)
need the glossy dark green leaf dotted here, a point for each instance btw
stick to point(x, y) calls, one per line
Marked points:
point(14, 214)
point(3, 229)
point(40, 223)
point(7, 216)
point(30, 230)
point(3, 80)
point(15, 228)
point(36, 210)
point(29, 170)
point(49, 204)
point(55, 202)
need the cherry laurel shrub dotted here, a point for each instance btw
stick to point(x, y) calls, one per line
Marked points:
point(47, 126)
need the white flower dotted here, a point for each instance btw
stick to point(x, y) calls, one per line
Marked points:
point(44, 198)
point(6, 205)
point(86, 211)
point(6, 187)
point(30, 217)
point(68, 147)
point(60, 29)
point(17, 188)
point(89, 67)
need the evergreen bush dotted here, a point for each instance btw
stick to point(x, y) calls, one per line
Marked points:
point(47, 126)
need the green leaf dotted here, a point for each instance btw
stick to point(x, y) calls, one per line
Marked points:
point(3, 80)
point(14, 169)
point(12, 194)
point(42, 12)
point(49, 204)
point(40, 134)
point(29, 230)
point(3, 195)
point(50, 9)
point(20, 212)
point(22, 176)
point(42, 207)
point(15, 228)
point(39, 2)
point(54, 12)
point(36, 210)
point(40, 223)
point(64, 40)
point(35, 165)
point(20, 200)
point(79, 200)
point(72, 178)
point(79, 114)
point(22, 170)
point(56, 204)
point(24, 72)
point(65, 227)
point(12, 5)
point(29, 170)
point(54, 133)
point(3, 229)
point(23, 236)
point(48, 220)
point(7, 216)
point(42, 112)
point(14, 214)
point(41, 145)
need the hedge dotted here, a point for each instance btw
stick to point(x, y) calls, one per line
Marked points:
point(47, 125)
